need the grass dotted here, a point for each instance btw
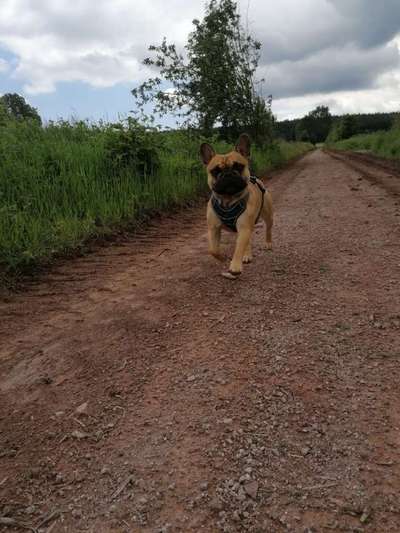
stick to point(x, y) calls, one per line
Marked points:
point(59, 186)
point(382, 143)
point(278, 154)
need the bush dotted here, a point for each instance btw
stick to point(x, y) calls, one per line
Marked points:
point(130, 144)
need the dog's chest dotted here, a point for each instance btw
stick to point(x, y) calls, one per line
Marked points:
point(229, 215)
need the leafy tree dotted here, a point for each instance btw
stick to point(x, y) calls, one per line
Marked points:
point(396, 122)
point(3, 114)
point(335, 133)
point(348, 125)
point(16, 107)
point(301, 133)
point(286, 129)
point(344, 127)
point(213, 84)
point(317, 124)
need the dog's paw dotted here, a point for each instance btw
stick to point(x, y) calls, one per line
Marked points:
point(247, 259)
point(219, 257)
point(231, 275)
point(268, 246)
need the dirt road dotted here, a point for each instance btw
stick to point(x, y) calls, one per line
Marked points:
point(142, 392)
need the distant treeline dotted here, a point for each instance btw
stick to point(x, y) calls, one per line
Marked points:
point(319, 124)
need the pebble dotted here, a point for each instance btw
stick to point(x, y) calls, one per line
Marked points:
point(216, 504)
point(79, 435)
point(251, 489)
point(81, 409)
point(236, 516)
point(163, 529)
point(241, 495)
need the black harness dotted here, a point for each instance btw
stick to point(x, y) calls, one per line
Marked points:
point(229, 215)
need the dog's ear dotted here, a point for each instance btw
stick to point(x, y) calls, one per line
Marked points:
point(207, 152)
point(243, 145)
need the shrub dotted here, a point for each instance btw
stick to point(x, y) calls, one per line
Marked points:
point(130, 144)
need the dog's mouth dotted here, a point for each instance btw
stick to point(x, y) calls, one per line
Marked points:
point(229, 184)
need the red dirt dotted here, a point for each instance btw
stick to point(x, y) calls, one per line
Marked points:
point(268, 404)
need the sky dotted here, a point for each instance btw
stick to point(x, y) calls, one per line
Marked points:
point(82, 58)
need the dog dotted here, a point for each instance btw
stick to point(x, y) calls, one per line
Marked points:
point(236, 203)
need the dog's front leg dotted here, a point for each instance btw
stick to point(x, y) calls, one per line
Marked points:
point(214, 240)
point(242, 244)
point(248, 256)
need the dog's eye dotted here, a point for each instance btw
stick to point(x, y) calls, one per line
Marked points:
point(216, 171)
point(238, 167)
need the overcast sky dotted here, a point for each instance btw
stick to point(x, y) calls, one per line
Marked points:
point(82, 57)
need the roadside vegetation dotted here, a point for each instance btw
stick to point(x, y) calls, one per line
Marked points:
point(381, 143)
point(377, 133)
point(320, 125)
point(69, 181)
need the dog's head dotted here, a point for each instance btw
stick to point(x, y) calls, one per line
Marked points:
point(228, 174)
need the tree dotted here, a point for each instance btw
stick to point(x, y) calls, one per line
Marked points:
point(348, 126)
point(16, 107)
point(213, 85)
point(343, 128)
point(3, 114)
point(301, 132)
point(317, 124)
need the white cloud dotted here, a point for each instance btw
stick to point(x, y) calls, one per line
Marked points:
point(4, 66)
point(384, 97)
point(313, 50)
point(330, 70)
point(100, 43)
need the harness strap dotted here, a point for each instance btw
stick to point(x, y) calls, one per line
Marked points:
point(229, 215)
point(261, 187)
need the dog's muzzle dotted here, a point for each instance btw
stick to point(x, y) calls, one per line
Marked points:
point(229, 184)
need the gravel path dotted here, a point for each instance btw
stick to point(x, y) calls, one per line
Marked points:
point(142, 392)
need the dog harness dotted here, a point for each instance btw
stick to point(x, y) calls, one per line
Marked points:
point(229, 215)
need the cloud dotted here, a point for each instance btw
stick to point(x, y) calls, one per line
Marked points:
point(101, 44)
point(326, 46)
point(312, 49)
point(380, 99)
point(297, 29)
point(4, 66)
point(369, 23)
point(331, 70)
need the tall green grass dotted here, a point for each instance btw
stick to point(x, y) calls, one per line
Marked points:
point(381, 143)
point(58, 186)
point(278, 154)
